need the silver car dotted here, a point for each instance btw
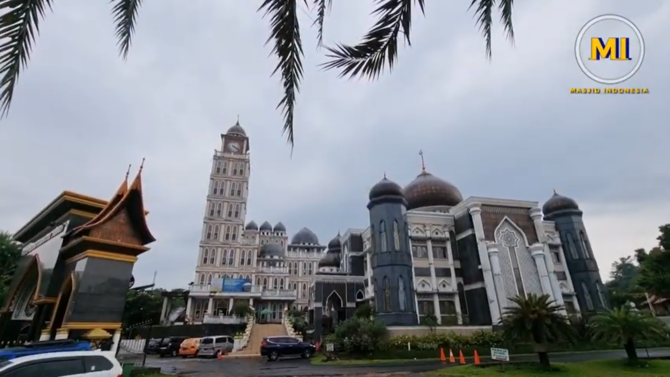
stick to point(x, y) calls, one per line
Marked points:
point(213, 346)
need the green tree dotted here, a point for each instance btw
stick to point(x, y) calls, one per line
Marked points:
point(365, 311)
point(360, 336)
point(625, 326)
point(142, 306)
point(10, 253)
point(623, 287)
point(654, 272)
point(298, 321)
point(377, 51)
point(538, 320)
point(242, 309)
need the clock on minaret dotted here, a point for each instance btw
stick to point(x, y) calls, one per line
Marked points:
point(234, 147)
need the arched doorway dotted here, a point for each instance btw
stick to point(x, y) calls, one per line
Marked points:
point(335, 308)
point(62, 305)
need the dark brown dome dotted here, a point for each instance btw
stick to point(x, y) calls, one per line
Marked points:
point(428, 190)
point(559, 202)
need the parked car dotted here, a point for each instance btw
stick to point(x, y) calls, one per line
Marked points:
point(189, 347)
point(170, 346)
point(213, 346)
point(153, 346)
point(68, 363)
point(36, 348)
point(274, 347)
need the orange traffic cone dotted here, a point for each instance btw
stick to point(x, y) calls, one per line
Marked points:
point(461, 358)
point(443, 358)
point(220, 356)
point(477, 361)
point(452, 359)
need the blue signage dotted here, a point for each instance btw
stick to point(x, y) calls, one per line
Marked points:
point(234, 285)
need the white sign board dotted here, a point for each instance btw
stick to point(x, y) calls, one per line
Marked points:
point(499, 354)
point(330, 347)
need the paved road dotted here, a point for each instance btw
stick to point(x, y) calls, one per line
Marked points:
point(258, 367)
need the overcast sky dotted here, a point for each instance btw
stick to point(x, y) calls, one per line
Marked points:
point(506, 129)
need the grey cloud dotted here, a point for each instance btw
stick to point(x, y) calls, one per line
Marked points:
point(507, 128)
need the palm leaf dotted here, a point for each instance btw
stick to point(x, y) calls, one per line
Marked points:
point(322, 8)
point(125, 14)
point(285, 33)
point(379, 46)
point(484, 14)
point(19, 26)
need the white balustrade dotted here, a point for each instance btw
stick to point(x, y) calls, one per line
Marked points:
point(223, 319)
point(274, 270)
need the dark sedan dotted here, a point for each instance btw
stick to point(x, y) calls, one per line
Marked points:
point(274, 347)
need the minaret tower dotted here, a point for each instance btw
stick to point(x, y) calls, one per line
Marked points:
point(391, 259)
point(225, 210)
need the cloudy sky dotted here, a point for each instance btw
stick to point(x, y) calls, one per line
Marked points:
point(507, 129)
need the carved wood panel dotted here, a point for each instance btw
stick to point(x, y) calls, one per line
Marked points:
point(493, 215)
point(118, 229)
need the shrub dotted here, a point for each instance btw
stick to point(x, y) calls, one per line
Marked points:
point(359, 336)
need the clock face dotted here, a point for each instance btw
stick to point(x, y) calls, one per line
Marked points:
point(234, 147)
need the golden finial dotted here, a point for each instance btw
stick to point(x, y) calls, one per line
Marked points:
point(423, 163)
point(141, 165)
point(128, 171)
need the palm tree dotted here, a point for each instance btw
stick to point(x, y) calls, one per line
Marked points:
point(538, 320)
point(625, 326)
point(10, 252)
point(19, 26)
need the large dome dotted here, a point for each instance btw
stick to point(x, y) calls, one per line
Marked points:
point(559, 202)
point(305, 237)
point(237, 129)
point(428, 190)
point(279, 227)
point(331, 260)
point(335, 244)
point(270, 250)
point(266, 226)
point(385, 187)
point(251, 226)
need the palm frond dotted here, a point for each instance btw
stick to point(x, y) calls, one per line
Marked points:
point(380, 45)
point(506, 18)
point(285, 33)
point(322, 8)
point(484, 16)
point(19, 26)
point(125, 15)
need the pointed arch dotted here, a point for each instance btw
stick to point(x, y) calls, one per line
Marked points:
point(334, 296)
point(585, 248)
point(444, 284)
point(572, 248)
point(360, 295)
point(423, 285)
point(507, 221)
point(396, 236)
point(382, 236)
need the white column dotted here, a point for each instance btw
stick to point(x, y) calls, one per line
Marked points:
point(476, 212)
point(210, 306)
point(371, 289)
point(494, 255)
point(433, 280)
point(189, 309)
point(230, 305)
point(536, 215)
point(454, 283)
point(164, 310)
point(537, 252)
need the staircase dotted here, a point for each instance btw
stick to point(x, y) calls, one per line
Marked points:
point(259, 332)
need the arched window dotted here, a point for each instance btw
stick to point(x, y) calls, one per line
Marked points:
point(237, 211)
point(382, 236)
point(243, 258)
point(258, 281)
point(571, 247)
point(401, 294)
point(396, 235)
point(224, 257)
point(304, 290)
point(212, 257)
point(231, 258)
point(304, 268)
point(239, 189)
point(230, 210)
point(265, 283)
point(601, 295)
point(216, 232)
point(211, 209)
point(219, 209)
point(242, 170)
point(209, 232)
point(309, 268)
point(234, 168)
point(205, 255)
point(202, 279)
point(218, 167)
point(233, 235)
point(249, 258)
point(225, 168)
point(587, 297)
point(585, 247)
point(387, 294)
point(209, 279)
point(232, 188)
point(227, 235)
point(281, 283)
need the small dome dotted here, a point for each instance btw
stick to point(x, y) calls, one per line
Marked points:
point(270, 250)
point(385, 187)
point(237, 129)
point(304, 237)
point(251, 226)
point(266, 226)
point(334, 244)
point(428, 190)
point(331, 260)
point(559, 202)
point(279, 227)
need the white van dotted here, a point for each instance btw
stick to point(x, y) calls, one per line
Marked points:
point(212, 346)
point(72, 363)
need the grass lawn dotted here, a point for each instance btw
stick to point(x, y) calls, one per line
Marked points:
point(318, 360)
point(604, 368)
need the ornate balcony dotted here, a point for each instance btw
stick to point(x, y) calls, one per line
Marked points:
point(281, 294)
point(274, 270)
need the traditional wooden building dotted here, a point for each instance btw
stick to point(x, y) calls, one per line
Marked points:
point(76, 265)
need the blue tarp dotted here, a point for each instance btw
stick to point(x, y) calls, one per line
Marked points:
point(234, 285)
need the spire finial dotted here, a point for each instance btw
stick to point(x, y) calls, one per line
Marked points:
point(128, 171)
point(384, 174)
point(238, 119)
point(141, 166)
point(555, 193)
point(423, 163)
